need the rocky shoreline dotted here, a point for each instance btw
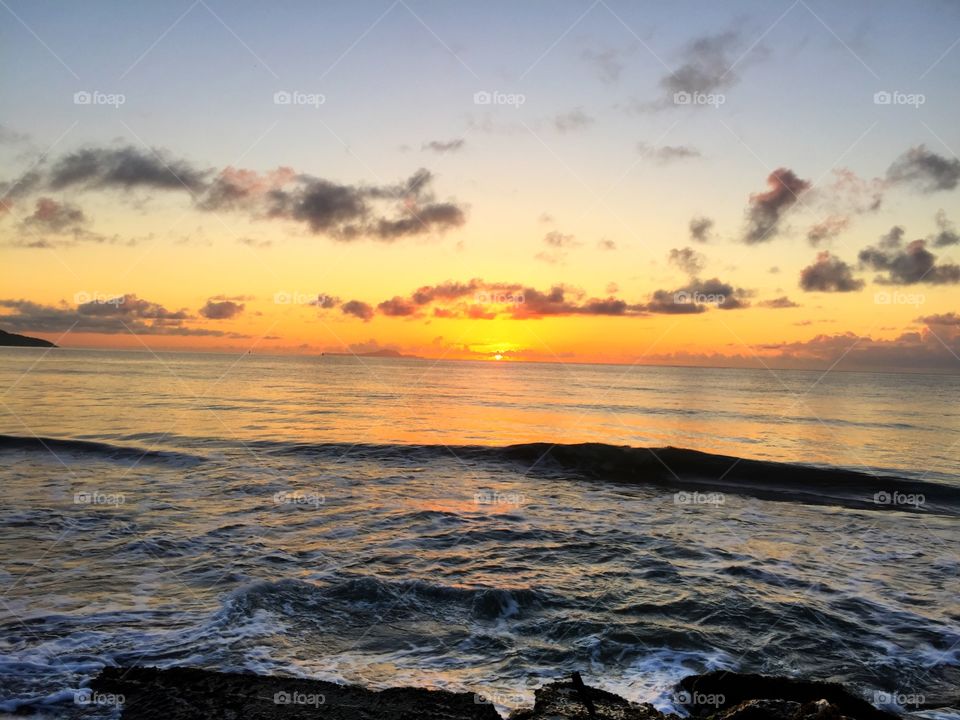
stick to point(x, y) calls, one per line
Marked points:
point(181, 693)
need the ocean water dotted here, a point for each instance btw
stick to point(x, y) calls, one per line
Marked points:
point(361, 520)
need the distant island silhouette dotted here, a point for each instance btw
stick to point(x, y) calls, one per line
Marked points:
point(14, 340)
point(384, 353)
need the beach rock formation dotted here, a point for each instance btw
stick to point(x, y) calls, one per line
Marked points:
point(182, 693)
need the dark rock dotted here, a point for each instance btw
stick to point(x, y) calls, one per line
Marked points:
point(733, 689)
point(564, 701)
point(14, 340)
point(188, 693)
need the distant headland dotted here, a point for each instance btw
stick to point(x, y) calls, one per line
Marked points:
point(14, 340)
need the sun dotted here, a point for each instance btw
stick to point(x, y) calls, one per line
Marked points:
point(498, 356)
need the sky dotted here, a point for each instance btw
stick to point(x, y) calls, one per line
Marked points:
point(694, 183)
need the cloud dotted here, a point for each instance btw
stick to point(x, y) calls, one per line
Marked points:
point(893, 238)
point(608, 63)
point(829, 274)
point(56, 217)
point(667, 153)
point(340, 211)
point(925, 171)
point(706, 66)
point(442, 147)
point(557, 243)
point(605, 244)
point(947, 234)
point(123, 168)
point(358, 309)
point(108, 316)
point(951, 319)
point(780, 303)
point(325, 302)
point(700, 228)
point(398, 307)
point(576, 119)
point(908, 266)
point(696, 296)
point(827, 229)
point(221, 309)
point(687, 259)
point(766, 209)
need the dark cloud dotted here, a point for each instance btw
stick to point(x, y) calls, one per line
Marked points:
point(56, 217)
point(576, 119)
point(436, 216)
point(700, 228)
point(441, 147)
point(766, 209)
point(221, 309)
point(325, 302)
point(893, 238)
point(908, 266)
point(358, 309)
point(924, 170)
point(947, 234)
point(398, 307)
point(110, 316)
point(951, 319)
point(667, 153)
point(779, 303)
point(696, 296)
point(829, 274)
point(687, 259)
point(827, 229)
point(124, 168)
point(706, 65)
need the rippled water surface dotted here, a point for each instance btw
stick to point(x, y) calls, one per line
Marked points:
point(318, 517)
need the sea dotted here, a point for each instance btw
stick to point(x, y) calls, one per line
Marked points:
point(485, 527)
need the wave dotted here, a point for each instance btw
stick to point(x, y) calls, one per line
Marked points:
point(104, 450)
point(682, 469)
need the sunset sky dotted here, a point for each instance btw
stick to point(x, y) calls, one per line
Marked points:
point(693, 183)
